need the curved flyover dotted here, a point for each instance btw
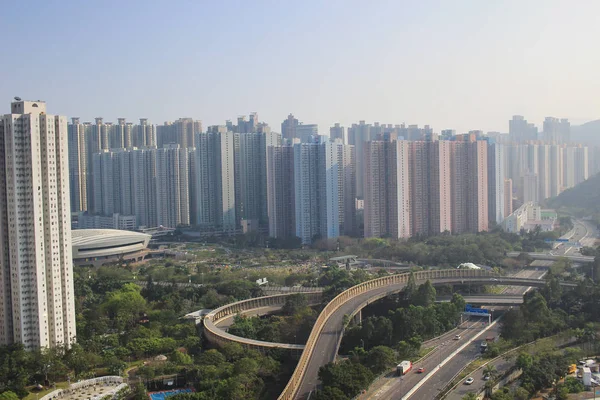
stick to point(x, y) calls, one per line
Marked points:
point(214, 321)
point(323, 342)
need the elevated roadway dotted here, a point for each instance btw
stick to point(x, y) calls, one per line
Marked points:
point(325, 338)
point(396, 388)
point(554, 257)
point(486, 299)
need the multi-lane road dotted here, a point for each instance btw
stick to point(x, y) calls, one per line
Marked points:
point(584, 232)
point(396, 388)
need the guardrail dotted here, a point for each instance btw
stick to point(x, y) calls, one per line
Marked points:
point(291, 389)
point(219, 337)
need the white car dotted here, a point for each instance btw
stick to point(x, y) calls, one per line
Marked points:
point(469, 381)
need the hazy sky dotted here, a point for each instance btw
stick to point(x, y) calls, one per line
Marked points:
point(451, 64)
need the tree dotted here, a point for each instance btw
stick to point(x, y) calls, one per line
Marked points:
point(502, 395)
point(458, 301)
point(425, 295)
point(211, 357)
point(490, 370)
point(180, 358)
point(347, 376)
point(411, 287)
point(8, 395)
point(469, 396)
point(521, 394)
point(524, 361)
point(331, 393)
point(379, 359)
point(140, 392)
point(294, 303)
point(124, 306)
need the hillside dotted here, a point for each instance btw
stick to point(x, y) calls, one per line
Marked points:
point(582, 200)
point(588, 133)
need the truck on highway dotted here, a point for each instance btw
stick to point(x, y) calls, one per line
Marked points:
point(403, 368)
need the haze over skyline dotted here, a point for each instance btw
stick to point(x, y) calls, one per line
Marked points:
point(459, 65)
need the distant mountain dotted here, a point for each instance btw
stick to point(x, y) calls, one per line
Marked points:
point(588, 133)
point(582, 200)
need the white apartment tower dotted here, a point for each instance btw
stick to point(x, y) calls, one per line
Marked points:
point(78, 165)
point(307, 191)
point(215, 180)
point(172, 186)
point(337, 189)
point(36, 274)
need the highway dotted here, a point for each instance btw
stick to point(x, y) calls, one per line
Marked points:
point(501, 365)
point(397, 387)
point(583, 232)
point(445, 374)
point(327, 342)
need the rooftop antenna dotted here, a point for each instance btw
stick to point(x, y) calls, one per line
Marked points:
point(17, 98)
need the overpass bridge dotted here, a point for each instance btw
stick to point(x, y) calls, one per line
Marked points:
point(217, 321)
point(324, 340)
point(551, 257)
point(488, 299)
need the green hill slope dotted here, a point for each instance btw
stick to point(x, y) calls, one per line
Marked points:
point(582, 200)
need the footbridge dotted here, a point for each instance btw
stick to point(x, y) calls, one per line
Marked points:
point(325, 337)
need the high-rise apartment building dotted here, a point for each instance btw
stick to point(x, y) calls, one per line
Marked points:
point(78, 176)
point(556, 170)
point(469, 185)
point(581, 164)
point(387, 206)
point(172, 186)
point(307, 133)
point(337, 132)
point(143, 134)
point(496, 169)
point(143, 165)
point(307, 191)
point(557, 131)
point(251, 173)
point(280, 191)
point(531, 188)
point(185, 132)
point(122, 137)
point(543, 171)
point(338, 189)
point(358, 134)
point(166, 134)
point(215, 180)
point(521, 131)
point(288, 129)
point(37, 306)
point(508, 197)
